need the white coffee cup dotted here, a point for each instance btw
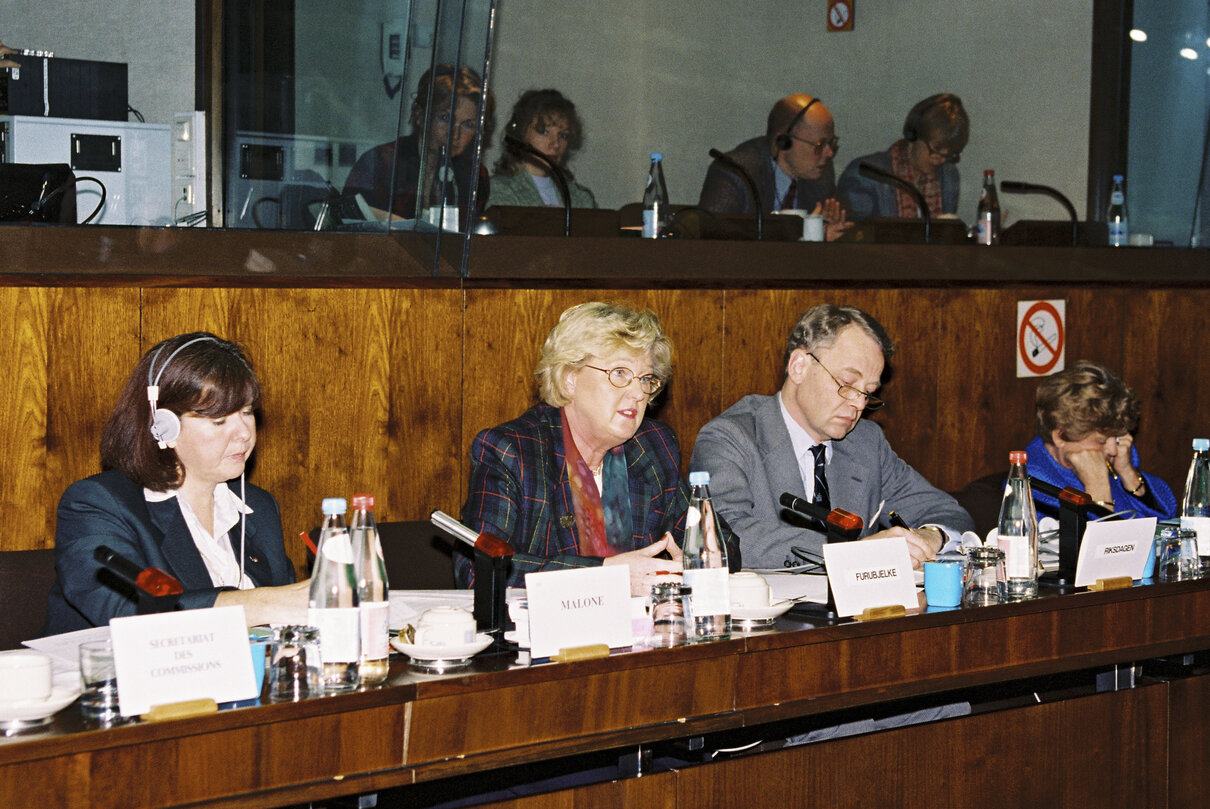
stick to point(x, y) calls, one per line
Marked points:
point(25, 676)
point(812, 228)
point(749, 590)
point(445, 626)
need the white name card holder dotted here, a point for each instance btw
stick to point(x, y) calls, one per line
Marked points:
point(174, 657)
point(870, 575)
point(1114, 549)
point(578, 607)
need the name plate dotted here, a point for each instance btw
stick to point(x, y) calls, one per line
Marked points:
point(869, 574)
point(578, 607)
point(177, 656)
point(1113, 549)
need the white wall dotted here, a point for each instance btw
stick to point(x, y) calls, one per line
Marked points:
point(155, 38)
point(681, 77)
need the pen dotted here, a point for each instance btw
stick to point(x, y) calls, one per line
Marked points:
point(897, 520)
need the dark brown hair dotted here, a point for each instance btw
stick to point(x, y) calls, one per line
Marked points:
point(209, 377)
point(1084, 399)
point(540, 105)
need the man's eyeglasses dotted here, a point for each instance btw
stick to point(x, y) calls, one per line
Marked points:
point(818, 146)
point(849, 392)
point(948, 157)
point(620, 378)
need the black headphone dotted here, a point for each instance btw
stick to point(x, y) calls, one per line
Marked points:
point(783, 140)
point(911, 124)
point(165, 425)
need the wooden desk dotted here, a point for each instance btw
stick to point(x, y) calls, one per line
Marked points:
point(1106, 749)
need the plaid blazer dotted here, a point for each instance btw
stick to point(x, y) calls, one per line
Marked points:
point(519, 491)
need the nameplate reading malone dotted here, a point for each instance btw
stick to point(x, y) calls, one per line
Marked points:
point(578, 607)
point(869, 574)
point(1113, 549)
point(177, 656)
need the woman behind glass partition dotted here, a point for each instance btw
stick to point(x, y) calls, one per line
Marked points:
point(451, 98)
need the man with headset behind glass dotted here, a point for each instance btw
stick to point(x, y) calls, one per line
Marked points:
point(791, 166)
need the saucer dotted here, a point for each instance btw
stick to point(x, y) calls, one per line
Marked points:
point(443, 656)
point(36, 711)
point(753, 614)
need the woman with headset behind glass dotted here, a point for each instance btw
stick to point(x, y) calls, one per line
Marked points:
point(173, 497)
point(934, 134)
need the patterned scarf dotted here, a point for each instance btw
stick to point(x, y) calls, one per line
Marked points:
point(929, 185)
point(603, 519)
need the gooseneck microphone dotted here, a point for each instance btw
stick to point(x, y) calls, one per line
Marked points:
point(841, 524)
point(875, 173)
point(742, 172)
point(145, 580)
point(1018, 187)
point(555, 171)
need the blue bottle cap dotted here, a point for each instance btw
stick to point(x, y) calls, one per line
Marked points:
point(1200, 444)
point(699, 478)
point(657, 156)
point(334, 505)
point(1117, 178)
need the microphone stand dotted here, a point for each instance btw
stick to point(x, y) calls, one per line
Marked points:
point(842, 526)
point(875, 173)
point(1074, 508)
point(492, 559)
point(555, 171)
point(742, 172)
point(1016, 187)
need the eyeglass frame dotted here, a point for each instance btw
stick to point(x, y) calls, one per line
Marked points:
point(818, 146)
point(948, 157)
point(872, 402)
point(655, 381)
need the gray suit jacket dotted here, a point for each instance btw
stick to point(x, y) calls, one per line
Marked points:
point(748, 454)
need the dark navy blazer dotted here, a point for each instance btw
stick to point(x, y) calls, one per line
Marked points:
point(109, 509)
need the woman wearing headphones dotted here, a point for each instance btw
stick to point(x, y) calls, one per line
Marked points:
point(169, 497)
point(546, 121)
point(389, 176)
point(934, 134)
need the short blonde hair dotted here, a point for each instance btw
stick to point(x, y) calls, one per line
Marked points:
point(1086, 398)
point(598, 329)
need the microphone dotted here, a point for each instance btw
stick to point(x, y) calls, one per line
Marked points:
point(875, 173)
point(555, 171)
point(150, 580)
point(1069, 495)
point(1017, 187)
point(492, 557)
point(742, 172)
point(841, 524)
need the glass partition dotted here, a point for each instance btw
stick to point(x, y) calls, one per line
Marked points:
point(366, 115)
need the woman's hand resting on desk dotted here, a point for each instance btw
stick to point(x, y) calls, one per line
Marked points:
point(644, 566)
point(270, 605)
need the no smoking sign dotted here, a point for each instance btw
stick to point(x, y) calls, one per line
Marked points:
point(1041, 337)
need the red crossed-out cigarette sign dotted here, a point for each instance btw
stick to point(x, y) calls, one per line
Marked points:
point(1041, 337)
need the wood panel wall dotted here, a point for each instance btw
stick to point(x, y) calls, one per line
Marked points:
point(382, 389)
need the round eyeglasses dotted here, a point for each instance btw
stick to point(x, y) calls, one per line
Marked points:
point(818, 146)
point(620, 377)
point(849, 392)
point(948, 157)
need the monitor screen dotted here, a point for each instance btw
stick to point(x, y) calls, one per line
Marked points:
point(37, 192)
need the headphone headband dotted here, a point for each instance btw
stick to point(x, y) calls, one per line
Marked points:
point(165, 425)
point(785, 140)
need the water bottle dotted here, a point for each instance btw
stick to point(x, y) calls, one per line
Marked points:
point(1018, 532)
point(333, 606)
point(1119, 230)
point(987, 218)
point(655, 200)
point(708, 607)
point(443, 210)
point(373, 593)
point(1195, 508)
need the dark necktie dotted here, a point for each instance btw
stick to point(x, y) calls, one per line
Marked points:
point(820, 497)
point(788, 200)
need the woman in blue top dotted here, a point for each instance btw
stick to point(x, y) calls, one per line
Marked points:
point(1086, 416)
